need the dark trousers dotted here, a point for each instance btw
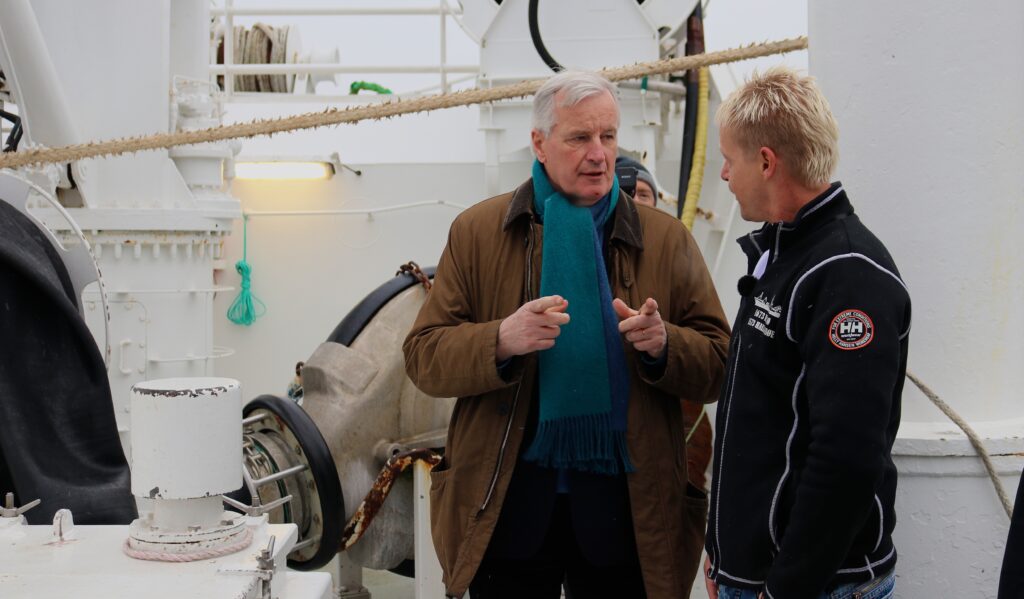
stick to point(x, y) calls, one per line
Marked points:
point(1011, 580)
point(558, 561)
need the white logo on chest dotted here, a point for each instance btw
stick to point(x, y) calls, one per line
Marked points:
point(765, 312)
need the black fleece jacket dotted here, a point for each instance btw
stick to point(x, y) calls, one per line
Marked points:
point(804, 482)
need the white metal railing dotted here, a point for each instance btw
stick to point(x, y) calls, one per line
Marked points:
point(230, 69)
point(327, 11)
point(331, 69)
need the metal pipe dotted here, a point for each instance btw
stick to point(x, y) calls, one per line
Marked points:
point(305, 543)
point(190, 35)
point(354, 211)
point(263, 97)
point(229, 45)
point(657, 86)
point(254, 419)
point(449, 82)
point(124, 291)
point(444, 48)
point(334, 69)
point(218, 353)
point(273, 478)
point(44, 108)
point(325, 11)
point(725, 242)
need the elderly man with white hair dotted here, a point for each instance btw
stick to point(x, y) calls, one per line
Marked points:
point(569, 323)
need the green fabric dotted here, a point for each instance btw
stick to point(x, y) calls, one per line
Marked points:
point(578, 428)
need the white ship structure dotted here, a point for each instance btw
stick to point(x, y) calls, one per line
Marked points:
point(250, 483)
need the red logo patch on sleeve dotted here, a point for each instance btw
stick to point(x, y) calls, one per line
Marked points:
point(851, 329)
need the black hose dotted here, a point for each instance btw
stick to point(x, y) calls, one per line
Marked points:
point(15, 136)
point(538, 43)
point(694, 45)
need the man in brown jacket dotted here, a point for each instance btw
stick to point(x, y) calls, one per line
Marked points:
point(565, 457)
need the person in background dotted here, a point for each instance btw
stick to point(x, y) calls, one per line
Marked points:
point(803, 482)
point(568, 324)
point(646, 193)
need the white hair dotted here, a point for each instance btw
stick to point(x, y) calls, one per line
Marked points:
point(575, 87)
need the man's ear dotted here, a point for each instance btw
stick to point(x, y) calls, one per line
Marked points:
point(536, 139)
point(769, 162)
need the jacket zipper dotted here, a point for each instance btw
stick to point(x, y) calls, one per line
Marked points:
point(515, 399)
point(501, 452)
point(730, 384)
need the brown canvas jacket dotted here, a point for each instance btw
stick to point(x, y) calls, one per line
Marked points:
point(489, 268)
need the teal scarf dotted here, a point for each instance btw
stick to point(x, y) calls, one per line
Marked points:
point(584, 383)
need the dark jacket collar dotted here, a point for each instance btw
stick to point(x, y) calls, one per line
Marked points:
point(625, 226)
point(830, 205)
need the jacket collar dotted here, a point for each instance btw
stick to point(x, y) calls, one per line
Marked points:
point(832, 204)
point(625, 226)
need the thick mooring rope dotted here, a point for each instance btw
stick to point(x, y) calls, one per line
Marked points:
point(334, 116)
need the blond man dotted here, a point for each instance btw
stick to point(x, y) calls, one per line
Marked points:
point(803, 482)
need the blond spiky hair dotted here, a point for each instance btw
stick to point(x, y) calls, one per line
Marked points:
point(786, 112)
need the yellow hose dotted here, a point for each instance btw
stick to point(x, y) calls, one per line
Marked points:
point(700, 148)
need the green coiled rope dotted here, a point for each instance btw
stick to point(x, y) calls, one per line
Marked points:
point(246, 307)
point(357, 86)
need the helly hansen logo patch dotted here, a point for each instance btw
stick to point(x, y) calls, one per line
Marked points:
point(851, 329)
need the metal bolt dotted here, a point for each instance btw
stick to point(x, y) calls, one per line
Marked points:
point(9, 501)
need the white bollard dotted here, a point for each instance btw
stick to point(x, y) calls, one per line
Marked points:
point(186, 453)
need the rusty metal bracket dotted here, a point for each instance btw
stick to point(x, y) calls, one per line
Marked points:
point(381, 487)
point(411, 268)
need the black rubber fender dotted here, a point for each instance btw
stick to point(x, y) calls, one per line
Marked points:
point(360, 316)
point(321, 466)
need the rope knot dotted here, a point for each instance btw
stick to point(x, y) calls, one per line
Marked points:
point(247, 307)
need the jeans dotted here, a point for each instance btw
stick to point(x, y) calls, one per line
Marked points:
point(882, 587)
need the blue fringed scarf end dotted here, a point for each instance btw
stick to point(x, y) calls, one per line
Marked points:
point(585, 442)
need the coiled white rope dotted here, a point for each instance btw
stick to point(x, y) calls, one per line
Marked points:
point(192, 556)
